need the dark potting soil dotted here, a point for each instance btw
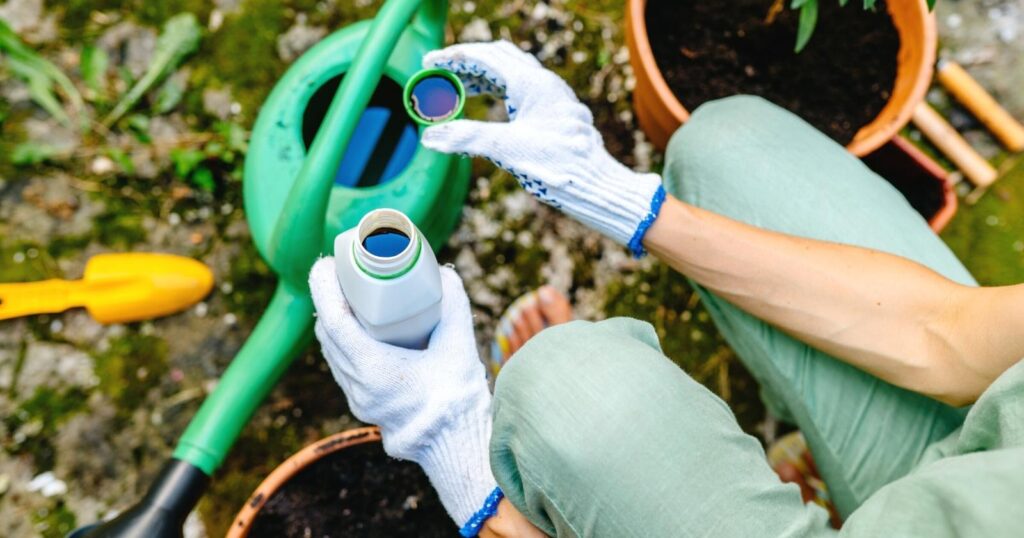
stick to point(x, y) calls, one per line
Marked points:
point(838, 83)
point(924, 191)
point(359, 491)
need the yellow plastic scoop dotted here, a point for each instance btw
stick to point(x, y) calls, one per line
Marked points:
point(116, 288)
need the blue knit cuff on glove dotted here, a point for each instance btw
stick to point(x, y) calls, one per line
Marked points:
point(490, 507)
point(636, 244)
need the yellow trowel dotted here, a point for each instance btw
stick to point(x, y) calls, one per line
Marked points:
point(116, 288)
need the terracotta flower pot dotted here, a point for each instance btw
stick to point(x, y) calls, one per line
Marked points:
point(660, 113)
point(291, 467)
point(921, 180)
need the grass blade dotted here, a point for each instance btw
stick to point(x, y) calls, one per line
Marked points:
point(179, 38)
point(42, 77)
point(94, 70)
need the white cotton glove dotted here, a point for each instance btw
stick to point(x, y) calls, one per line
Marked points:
point(433, 405)
point(549, 144)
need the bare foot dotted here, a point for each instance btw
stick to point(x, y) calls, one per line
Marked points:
point(529, 315)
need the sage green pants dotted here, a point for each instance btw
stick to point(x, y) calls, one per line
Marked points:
point(596, 433)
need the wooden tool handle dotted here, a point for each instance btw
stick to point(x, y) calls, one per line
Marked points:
point(950, 143)
point(967, 90)
point(28, 298)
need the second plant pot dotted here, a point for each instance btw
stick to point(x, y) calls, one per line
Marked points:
point(660, 112)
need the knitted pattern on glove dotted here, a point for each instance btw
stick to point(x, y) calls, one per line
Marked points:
point(549, 143)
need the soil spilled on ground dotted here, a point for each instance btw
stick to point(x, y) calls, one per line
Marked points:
point(838, 83)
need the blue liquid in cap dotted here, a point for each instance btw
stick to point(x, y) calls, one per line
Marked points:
point(435, 98)
point(386, 242)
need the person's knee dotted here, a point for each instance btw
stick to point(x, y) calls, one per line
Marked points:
point(558, 358)
point(569, 390)
point(714, 127)
point(548, 411)
point(749, 159)
point(571, 375)
point(719, 133)
point(541, 358)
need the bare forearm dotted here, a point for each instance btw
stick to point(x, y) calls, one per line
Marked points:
point(882, 313)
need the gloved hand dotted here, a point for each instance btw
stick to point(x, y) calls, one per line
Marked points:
point(433, 406)
point(549, 144)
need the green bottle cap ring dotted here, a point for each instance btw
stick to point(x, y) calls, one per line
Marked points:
point(433, 72)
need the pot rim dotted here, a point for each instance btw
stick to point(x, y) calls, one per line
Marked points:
point(941, 218)
point(862, 144)
point(642, 42)
point(305, 457)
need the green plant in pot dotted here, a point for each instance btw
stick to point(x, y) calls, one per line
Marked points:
point(809, 17)
point(858, 82)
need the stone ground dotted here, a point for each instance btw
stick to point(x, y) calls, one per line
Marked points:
point(89, 412)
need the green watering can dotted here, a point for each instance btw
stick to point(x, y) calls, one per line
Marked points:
point(312, 171)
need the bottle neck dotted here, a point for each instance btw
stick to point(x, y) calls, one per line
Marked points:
point(382, 263)
point(387, 268)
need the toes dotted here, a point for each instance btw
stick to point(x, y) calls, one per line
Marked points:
point(532, 316)
point(521, 329)
point(554, 306)
point(514, 340)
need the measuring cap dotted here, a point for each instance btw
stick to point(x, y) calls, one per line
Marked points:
point(434, 96)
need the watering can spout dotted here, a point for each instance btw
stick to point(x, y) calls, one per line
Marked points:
point(162, 512)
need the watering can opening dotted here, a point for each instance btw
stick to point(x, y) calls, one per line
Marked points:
point(385, 140)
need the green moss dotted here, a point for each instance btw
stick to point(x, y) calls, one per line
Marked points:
point(78, 26)
point(36, 262)
point(988, 237)
point(119, 228)
point(42, 414)
point(225, 498)
point(253, 283)
point(67, 246)
point(75, 16)
point(156, 13)
point(259, 450)
point(55, 522)
point(131, 366)
point(242, 54)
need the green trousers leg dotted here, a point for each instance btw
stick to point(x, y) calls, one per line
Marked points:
point(752, 161)
point(597, 433)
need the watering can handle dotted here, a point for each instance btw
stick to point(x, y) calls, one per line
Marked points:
point(299, 235)
point(286, 326)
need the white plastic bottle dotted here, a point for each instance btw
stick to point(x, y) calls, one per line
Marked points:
point(390, 277)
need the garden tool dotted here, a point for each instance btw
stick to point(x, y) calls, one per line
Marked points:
point(312, 171)
point(116, 288)
point(974, 167)
point(979, 102)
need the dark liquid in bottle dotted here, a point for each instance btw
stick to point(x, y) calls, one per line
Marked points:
point(435, 98)
point(386, 242)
